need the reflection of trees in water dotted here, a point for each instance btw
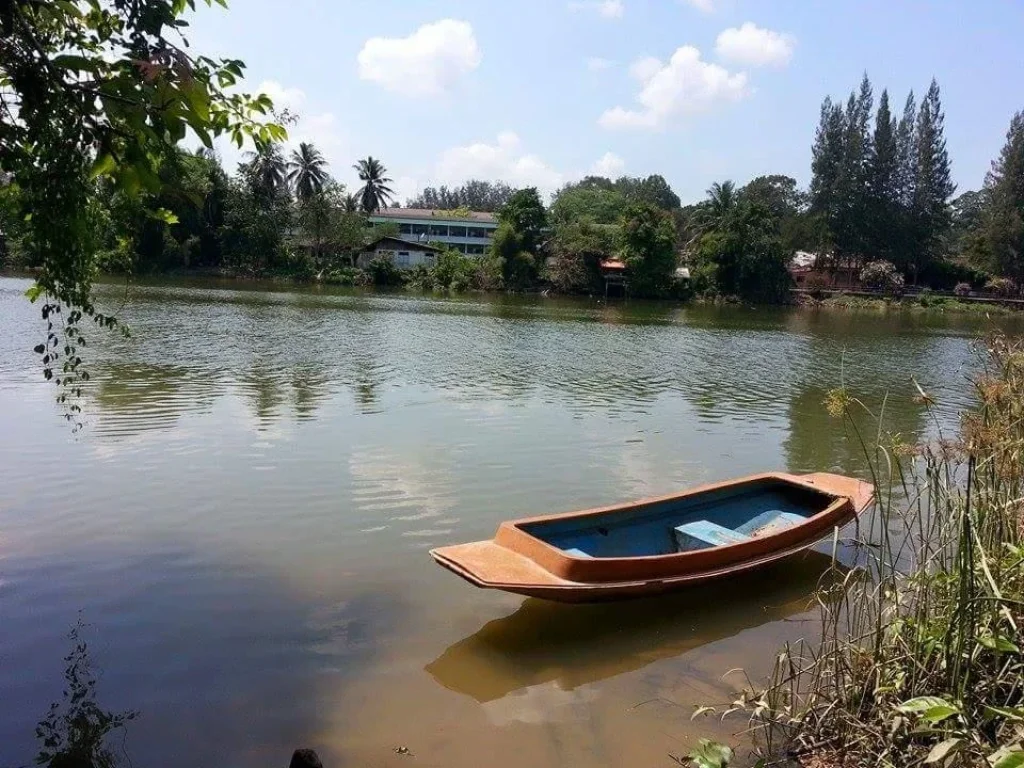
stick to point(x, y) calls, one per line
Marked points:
point(876, 368)
point(132, 398)
point(819, 442)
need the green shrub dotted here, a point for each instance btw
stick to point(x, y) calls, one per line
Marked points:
point(454, 271)
point(382, 271)
point(345, 276)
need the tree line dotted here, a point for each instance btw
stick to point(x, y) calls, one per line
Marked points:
point(880, 196)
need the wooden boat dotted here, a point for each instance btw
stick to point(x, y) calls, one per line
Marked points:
point(660, 544)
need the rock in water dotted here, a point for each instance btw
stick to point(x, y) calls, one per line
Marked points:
point(305, 758)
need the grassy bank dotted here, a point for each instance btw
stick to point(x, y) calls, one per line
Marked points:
point(920, 303)
point(919, 657)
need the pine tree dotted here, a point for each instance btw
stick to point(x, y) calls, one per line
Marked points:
point(933, 181)
point(1004, 217)
point(839, 182)
point(883, 184)
point(903, 237)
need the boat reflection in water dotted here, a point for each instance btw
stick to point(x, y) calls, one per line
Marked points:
point(571, 646)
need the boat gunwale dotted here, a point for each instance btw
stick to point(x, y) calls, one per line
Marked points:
point(529, 565)
point(598, 570)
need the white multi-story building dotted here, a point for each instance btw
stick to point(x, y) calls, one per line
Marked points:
point(470, 234)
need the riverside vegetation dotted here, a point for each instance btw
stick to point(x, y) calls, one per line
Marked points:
point(919, 656)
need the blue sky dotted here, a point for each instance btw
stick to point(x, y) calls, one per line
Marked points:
point(541, 92)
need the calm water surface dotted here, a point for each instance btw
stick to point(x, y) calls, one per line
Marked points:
point(244, 519)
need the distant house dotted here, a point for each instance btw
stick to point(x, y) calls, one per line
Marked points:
point(404, 253)
point(815, 269)
point(470, 233)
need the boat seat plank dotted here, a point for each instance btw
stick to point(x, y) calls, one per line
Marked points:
point(769, 522)
point(701, 534)
point(575, 552)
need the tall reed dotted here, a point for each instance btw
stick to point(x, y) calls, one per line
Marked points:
point(919, 658)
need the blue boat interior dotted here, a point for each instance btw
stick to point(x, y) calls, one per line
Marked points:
point(723, 516)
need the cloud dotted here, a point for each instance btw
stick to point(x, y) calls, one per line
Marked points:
point(645, 68)
point(428, 62)
point(752, 46)
point(704, 6)
point(283, 98)
point(597, 64)
point(610, 165)
point(606, 9)
point(686, 85)
point(505, 159)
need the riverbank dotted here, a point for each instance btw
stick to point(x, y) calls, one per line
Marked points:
point(919, 658)
point(351, 277)
point(924, 302)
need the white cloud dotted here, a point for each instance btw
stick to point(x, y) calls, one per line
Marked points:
point(610, 165)
point(704, 6)
point(686, 85)
point(645, 68)
point(607, 9)
point(597, 64)
point(506, 159)
point(428, 62)
point(754, 46)
point(283, 98)
point(503, 160)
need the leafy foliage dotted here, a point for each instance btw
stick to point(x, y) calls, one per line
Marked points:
point(883, 195)
point(375, 192)
point(647, 246)
point(919, 660)
point(474, 195)
point(516, 245)
point(94, 90)
point(742, 254)
point(577, 249)
point(307, 171)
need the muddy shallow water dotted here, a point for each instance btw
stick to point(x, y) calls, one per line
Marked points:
point(244, 519)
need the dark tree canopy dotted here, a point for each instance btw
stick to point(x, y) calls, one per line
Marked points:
point(92, 90)
point(476, 195)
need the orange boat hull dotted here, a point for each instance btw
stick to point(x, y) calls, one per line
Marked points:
point(516, 561)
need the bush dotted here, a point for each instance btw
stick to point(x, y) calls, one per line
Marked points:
point(383, 272)
point(454, 271)
point(421, 277)
point(962, 289)
point(1003, 287)
point(817, 284)
point(883, 276)
point(345, 276)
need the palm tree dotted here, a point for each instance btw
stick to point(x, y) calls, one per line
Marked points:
point(351, 203)
point(721, 199)
point(270, 171)
point(307, 171)
point(376, 193)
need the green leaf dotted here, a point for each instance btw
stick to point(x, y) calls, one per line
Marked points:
point(33, 292)
point(922, 704)
point(941, 750)
point(937, 714)
point(103, 165)
point(710, 754)
point(78, 63)
point(1007, 757)
point(164, 215)
point(999, 643)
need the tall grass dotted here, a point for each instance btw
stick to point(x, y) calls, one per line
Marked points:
point(919, 659)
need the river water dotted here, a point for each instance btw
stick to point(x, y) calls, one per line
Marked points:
point(244, 518)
